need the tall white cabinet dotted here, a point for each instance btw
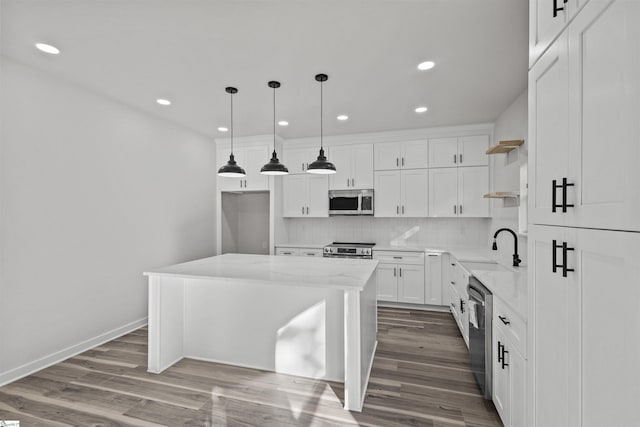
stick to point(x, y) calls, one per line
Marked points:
point(584, 136)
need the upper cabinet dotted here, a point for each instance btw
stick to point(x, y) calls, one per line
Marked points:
point(458, 151)
point(457, 192)
point(400, 155)
point(584, 151)
point(305, 196)
point(251, 158)
point(297, 159)
point(547, 18)
point(354, 167)
point(401, 193)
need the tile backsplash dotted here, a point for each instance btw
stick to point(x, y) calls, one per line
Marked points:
point(470, 232)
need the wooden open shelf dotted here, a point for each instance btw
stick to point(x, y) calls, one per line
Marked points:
point(505, 146)
point(502, 195)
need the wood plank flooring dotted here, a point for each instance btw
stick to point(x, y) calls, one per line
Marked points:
point(420, 377)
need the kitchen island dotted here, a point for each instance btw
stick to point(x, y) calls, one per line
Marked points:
point(295, 315)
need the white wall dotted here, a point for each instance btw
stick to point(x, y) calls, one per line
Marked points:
point(245, 222)
point(92, 194)
point(511, 124)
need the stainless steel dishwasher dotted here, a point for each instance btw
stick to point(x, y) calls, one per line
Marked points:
point(480, 345)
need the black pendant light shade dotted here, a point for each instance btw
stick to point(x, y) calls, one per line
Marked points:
point(231, 169)
point(274, 167)
point(321, 165)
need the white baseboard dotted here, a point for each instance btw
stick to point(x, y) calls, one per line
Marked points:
point(420, 307)
point(44, 362)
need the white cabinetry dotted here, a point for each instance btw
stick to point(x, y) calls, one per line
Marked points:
point(401, 193)
point(299, 251)
point(400, 155)
point(251, 158)
point(509, 368)
point(305, 195)
point(457, 192)
point(584, 149)
point(400, 276)
point(583, 364)
point(354, 167)
point(459, 279)
point(433, 279)
point(297, 159)
point(458, 151)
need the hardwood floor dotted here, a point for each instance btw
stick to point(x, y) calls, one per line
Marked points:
point(420, 377)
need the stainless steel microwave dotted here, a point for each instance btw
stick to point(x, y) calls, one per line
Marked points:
point(351, 202)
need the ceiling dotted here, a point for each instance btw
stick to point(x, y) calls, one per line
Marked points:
point(188, 51)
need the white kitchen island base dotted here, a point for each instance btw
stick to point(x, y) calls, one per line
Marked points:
point(310, 317)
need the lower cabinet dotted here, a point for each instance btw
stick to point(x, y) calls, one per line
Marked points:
point(433, 279)
point(400, 276)
point(509, 368)
point(298, 251)
point(459, 297)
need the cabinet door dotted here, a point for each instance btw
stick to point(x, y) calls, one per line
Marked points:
point(311, 252)
point(433, 279)
point(543, 25)
point(548, 134)
point(254, 158)
point(517, 389)
point(387, 194)
point(387, 280)
point(554, 329)
point(294, 195)
point(414, 187)
point(501, 392)
point(386, 156)
point(411, 283)
point(297, 159)
point(604, 65)
point(317, 196)
point(607, 268)
point(287, 251)
point(340, 156)
point(443, 152)
point(362, 166)
point(443, 192)
point(473, 183)
point(414, 155)
point(472, 150)
point(453, 305)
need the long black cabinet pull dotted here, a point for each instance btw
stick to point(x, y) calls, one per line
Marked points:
point(554, 188)
point(504, 320)
point(499, 352)
point(554, 259)
point(461, 305)
point(556, 9)
point(504, 359)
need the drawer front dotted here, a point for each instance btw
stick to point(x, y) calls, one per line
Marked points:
point(287, 251)
point(399, 257)
point(311, 252)
point(510, 324)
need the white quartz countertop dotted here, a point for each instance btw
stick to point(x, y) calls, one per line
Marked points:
point(276, 270)
point(507, 283)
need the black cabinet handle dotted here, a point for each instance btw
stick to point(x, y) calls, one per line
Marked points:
point(556, 9)
point(554, 260)
point(499, 352)
point(461, 306)
point(504, 320)
point(554, 189)
point(504, 359)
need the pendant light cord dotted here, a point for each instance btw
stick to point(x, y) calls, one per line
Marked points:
point(274, 119)
point(321, 83)
point(231, 124)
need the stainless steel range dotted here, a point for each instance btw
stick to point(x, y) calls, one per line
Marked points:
point(349, 250)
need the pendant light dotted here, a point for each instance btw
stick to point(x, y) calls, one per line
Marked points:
point(274, 167)
point(231, 169)
point(321, 165)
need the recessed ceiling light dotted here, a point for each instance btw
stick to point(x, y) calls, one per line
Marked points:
point(427, 65)
point(223, 129)
point(343, 117)
point(421, 109)
point(163, 101)
point(283, 123)
point(48, 48)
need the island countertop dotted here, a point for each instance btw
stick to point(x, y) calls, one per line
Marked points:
point(269, 269)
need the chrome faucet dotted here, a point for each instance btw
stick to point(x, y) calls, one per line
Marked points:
point(516, 258)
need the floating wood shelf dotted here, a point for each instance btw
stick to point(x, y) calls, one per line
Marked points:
point(502, 195)
point(505, 146)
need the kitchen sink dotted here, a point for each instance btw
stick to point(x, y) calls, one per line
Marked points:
point(487, 266)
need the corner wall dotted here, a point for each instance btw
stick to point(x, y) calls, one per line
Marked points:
point(92, 194)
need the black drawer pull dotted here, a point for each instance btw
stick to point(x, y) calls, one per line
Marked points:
point(504, 320)
point(554, 188)
point(556, 9)
point(554, 260)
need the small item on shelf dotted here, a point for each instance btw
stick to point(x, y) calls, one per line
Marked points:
point(505, 146)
